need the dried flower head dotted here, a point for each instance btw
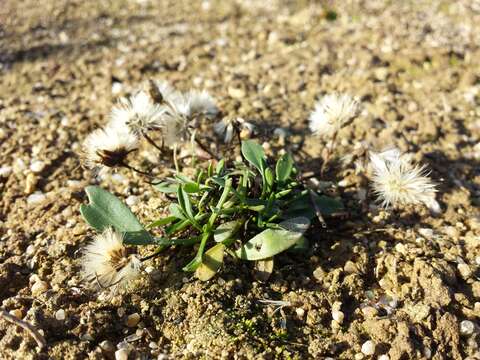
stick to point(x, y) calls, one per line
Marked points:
point(199, 103)
point(398, 182)
point(108, 147)
point(107, 263)
point(331, 113)
point(139, 113)
point(174, 129)
point(225, 128)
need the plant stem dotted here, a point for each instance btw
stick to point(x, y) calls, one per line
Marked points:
point(329, 153)
point(206, 149)
point(175, 160)
point(317, 209)
point(26, 326)
point(151, 142)
point(129, 167)
point(223, 198)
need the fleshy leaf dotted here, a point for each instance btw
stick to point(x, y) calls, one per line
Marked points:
point(161, 222)
point(254, 154)
point(226, 230)
point(211, 263)
point(166, 187)
point(105, 210)
point(271, 242)
point(284, 168)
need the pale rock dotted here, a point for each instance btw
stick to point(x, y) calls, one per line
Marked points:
point(133, 320)
point(36, 198)
point(37, 166)
point(368, 348)
point(60, 315)
point(5, 171)
point(39, 287)
point(121, 354)
point(467, 327)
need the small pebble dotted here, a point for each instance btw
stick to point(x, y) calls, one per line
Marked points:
point(30, 183)
point(17, 313)
point(86, 337)
point(464, 270)
point(133, 320)
point(236, 93)
point(300, 312)
point(36, 197)
point(60, 315)
point(467, 327)
point(107, 346)
point(131, 200)
point(39, 287)
point(121, 354)
point(37, 166)
point(5, 171)
point(368, 348)
point(338, 316)
point(116, 88)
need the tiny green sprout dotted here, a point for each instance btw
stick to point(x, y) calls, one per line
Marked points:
point(251, 210)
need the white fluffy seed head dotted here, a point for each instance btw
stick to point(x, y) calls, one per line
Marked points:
point(398, 182)
point(200, 102)
point(108, 147)
point(139, 113)
point(331, 113)
point(106, 262)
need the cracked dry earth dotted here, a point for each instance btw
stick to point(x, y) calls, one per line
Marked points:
point(404, 281)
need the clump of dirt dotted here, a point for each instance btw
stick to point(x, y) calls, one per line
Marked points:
point(405, 281)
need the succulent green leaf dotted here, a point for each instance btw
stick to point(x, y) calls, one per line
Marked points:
point(226, 230)
point(254, 154)
point(269, 178)
point(166, 187)
point(191, 187)
point(284, 168)
point(303, 206)
point(211, 263)
point(220, 166)
point(271, 242)
point(105, 210)
point(184, 202)
point(176, 211)
point(161, 222)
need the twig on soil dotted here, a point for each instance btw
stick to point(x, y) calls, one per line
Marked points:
point(41, 342)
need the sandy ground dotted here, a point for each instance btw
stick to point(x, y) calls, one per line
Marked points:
point(405, 280)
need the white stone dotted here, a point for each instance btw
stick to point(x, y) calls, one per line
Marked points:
point(36, 197)
point(60, 315)
point(117, 88)
point(121, 354)
point(384, 357)
point(368, 348)
point(39, 287)
point(131, 200)
point(37, 166)
point(338, 316)
point(5, 171)
point(464, 270)
point(467, 327)
point(300, 312)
